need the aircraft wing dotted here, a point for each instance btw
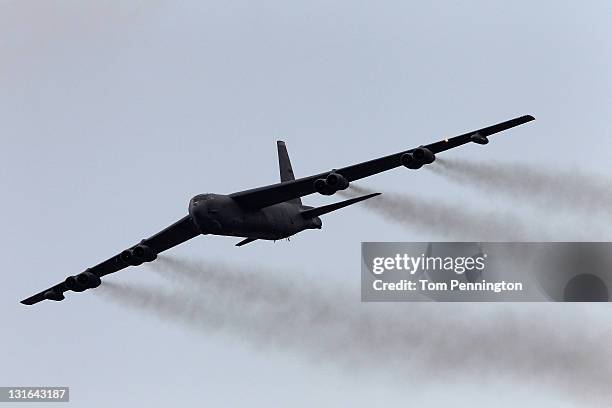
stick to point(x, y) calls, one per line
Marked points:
point(145, 251)
point(280, 192)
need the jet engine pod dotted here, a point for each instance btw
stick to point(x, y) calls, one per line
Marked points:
point(409, 161)
point(336, 181)
point(129, 258)
point(88, 280)
point(479, 139)
point(424, 155)
point(322, 187)
point(331, 183)
point(54, 295)
point(417, 158)
point(143, 253)
point(74, 285)
point(137, 255)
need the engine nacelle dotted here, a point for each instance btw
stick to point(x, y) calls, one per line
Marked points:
point(88, 279)
point(409, 161)
point(81, 282)
point(144, 253)
point(322, 187)
point(72, 284)
point(330, 184)
point(54, 295)
point(417, 158)
point(137, 255)
point(336, 181)
point(424, 155)
point(129, 258)
point(479, 139)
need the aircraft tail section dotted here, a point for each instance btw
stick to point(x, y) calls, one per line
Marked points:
point(315, 212)
point(284, 165)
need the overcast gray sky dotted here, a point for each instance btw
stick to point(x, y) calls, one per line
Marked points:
point(113, 114)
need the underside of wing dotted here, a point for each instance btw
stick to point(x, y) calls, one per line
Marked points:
point(281, 192)
point(145, 251)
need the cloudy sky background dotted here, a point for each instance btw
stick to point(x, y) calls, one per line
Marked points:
point(113, 114)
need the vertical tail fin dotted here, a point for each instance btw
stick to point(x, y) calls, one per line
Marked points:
point(284, 165)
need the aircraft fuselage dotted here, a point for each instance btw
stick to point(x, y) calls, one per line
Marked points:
point(219, 214)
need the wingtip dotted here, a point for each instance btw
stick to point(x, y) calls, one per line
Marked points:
point(529, 117)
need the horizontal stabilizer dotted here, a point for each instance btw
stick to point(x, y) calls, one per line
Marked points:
point(246, 241)
point(315, 212)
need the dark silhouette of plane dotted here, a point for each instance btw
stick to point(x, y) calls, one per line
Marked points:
point(271, 212)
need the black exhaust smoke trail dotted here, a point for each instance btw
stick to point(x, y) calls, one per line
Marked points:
point(532, 184)
point(283, 312)
point(454, 221)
